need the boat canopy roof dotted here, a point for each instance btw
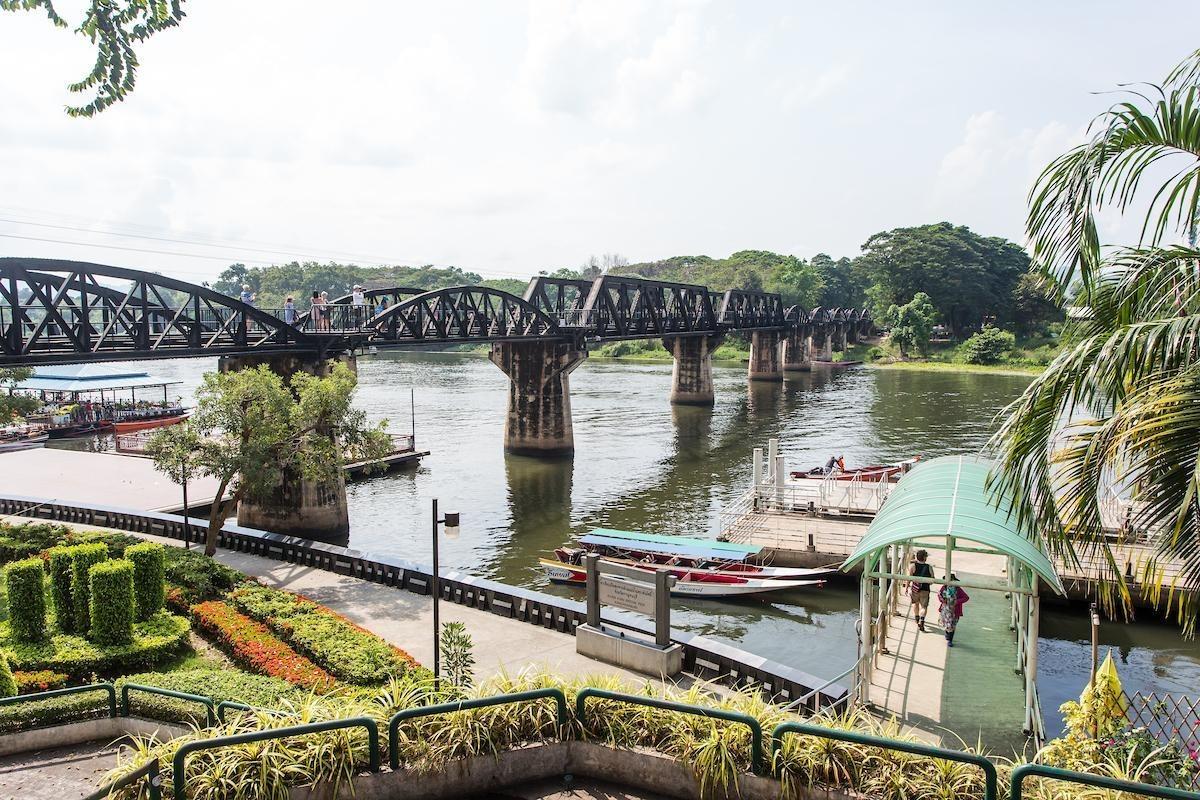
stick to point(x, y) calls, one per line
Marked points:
point(78, 378)
point(670, 545)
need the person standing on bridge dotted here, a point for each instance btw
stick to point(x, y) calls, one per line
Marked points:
point(289, 311)
point(358, 300)
point(919, 590)
point(247, 297)
point(315, 312)
point(951, 600)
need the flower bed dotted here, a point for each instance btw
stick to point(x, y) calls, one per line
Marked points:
point(154, 641)
point(42, 680)
point(349, 652)
point(252, 644)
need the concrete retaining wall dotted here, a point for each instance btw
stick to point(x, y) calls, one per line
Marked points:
point(106, 728)
point(633, 769)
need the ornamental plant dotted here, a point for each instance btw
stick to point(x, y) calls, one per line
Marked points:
point(61, 562)
point(26, 600)
point(83, 558)
point(149, 576)
point(8, 686)
point(112, 603)
point(252, 644)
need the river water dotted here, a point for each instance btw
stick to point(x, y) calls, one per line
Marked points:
point(641, 464)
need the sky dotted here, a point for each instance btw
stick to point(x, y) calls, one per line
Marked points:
point(508, 138)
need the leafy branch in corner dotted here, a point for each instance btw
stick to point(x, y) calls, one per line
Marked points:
point(114, 27)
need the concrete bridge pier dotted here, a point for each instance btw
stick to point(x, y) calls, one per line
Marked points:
point(691, 379)
point(795, 350)
point(838, 337)
point(297, 507)
point(765, 364)
point(852, 332)
point(539, 396)
point(821, 345)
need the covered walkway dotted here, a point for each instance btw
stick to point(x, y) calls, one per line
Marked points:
point(985, 687)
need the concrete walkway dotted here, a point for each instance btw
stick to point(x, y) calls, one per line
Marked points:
point(58, 774)
point(406, 619)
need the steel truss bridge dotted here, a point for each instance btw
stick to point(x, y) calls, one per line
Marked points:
point(55, 311)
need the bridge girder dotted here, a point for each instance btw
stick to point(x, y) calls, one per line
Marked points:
point(463, 313)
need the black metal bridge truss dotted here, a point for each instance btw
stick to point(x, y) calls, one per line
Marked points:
point(55, 311)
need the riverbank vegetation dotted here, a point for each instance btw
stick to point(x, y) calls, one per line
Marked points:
point(1130, 382)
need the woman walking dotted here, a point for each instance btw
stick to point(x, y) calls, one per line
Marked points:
point(951, 600)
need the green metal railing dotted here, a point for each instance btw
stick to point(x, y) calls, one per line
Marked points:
point(560, 701)
point(756, 732)
point(91, 687)
point(231, 705)
point(149, 771)
point(179, 763)
point(991, 780)
point(1019, 774)
point(209, 707)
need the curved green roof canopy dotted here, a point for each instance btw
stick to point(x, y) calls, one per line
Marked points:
point(948, 497)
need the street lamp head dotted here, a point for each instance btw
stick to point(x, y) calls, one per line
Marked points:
point(451, 524)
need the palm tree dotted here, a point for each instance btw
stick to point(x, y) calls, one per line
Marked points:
point(1121, 405)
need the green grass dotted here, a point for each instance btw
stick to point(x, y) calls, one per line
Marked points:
point(951, 366)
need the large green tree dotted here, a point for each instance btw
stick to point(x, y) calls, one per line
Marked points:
point(1120, 410)
point(968, 277)
point(14, 405)
point(251, 429)
point(115, 28)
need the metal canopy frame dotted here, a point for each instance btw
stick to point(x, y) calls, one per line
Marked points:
point(939, 505)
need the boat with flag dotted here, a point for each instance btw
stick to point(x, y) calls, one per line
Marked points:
point(702, 567)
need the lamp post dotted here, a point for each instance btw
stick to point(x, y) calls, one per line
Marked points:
point(451, 523)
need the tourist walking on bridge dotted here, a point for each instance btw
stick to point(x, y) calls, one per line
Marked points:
point(919, 590)
point(950, 607)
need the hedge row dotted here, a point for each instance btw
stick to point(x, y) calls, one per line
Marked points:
point(154, 641)
point(252, 644)
point(347, 651)
point(26, 599)
point(260, 691)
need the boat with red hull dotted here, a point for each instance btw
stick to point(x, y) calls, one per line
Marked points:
point(869, 473)
point(131, 425)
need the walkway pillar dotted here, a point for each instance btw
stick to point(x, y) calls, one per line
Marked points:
point(539, 396)
point(297, 507)
point(764, 356)
point(795, 350)
point(691, 379)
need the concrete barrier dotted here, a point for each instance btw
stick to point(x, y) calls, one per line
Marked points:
point(105, 729)
point(638, 769)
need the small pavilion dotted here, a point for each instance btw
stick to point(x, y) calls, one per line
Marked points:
point(944, 506)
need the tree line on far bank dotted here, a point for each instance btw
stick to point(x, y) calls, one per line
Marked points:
point(971, 281)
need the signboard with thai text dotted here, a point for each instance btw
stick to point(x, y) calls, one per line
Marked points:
point(630, 595)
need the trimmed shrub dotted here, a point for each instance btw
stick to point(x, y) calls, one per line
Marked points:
point(42, 680)
point(8, 686)
point(83, 558)
point(149, 587)
point(260, 691)
point(154, 641)
point(197, 576)
point(111, 602)
point(26, 599)
point(22, 541)
point(43, 713)
point(62, 560)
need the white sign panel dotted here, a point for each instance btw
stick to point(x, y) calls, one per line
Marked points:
point(631, 595)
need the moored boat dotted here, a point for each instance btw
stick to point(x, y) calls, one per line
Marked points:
point(689, 583)
point(673, 551)
point(131, 425)
point(869, 472)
